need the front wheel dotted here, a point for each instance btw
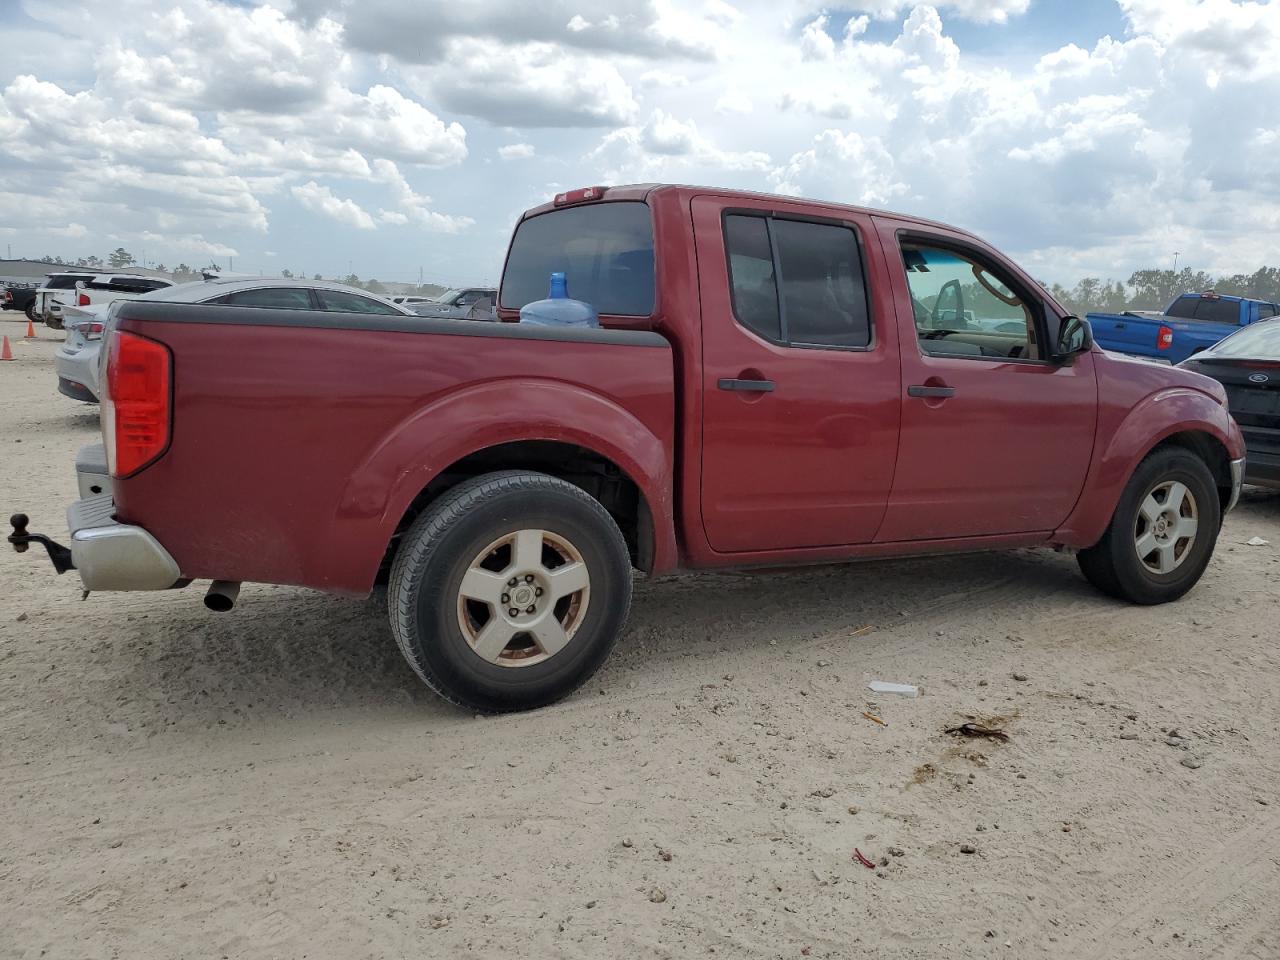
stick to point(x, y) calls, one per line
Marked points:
point(30, 310)
point(1162, 534)
point(509, 592)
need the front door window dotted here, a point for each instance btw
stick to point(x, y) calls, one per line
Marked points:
point(963, 309)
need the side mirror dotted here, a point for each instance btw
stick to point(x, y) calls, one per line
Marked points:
point(1074, 336)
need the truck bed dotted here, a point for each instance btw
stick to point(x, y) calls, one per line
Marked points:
point(300, 437)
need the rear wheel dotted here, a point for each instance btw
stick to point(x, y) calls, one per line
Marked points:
point(30, 310)
point(1162, 534)
point(509, 592)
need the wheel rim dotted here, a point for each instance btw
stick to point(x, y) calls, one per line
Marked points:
point(1166, 527)
point(523, 598)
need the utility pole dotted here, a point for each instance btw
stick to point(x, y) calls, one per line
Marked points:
point(1175, 260)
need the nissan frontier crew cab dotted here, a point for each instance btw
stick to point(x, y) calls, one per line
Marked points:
point(774, 381)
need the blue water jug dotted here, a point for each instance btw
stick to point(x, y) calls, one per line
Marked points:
point(558, 310)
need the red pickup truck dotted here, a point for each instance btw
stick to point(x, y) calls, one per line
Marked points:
point(775, 381)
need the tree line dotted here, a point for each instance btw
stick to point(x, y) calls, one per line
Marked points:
point(1156, 289)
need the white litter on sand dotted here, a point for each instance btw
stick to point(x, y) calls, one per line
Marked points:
point(897, 689)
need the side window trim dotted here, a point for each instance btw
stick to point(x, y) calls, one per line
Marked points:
point(769, 216)
point(1035, 304)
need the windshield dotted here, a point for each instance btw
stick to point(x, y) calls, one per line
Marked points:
point(1258, 342)
point(447, 297)
point(605, 251)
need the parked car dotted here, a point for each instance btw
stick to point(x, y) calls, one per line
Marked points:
point(410, 301)
point(471, 303)
point(19, 296)
point(763, 390)
point(1193, 322)
point(58, 288)
point(86, 289)
point(77, 360)
point(1247, 364)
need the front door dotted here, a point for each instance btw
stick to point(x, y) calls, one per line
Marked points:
point(800, 374)
point(996, 437)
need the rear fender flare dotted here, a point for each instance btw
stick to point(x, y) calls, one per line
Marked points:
point(468, 421)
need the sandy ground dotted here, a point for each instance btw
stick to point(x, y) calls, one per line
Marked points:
point(275, 783)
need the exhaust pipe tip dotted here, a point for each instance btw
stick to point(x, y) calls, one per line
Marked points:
point(222, 595)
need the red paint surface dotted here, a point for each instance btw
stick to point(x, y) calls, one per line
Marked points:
point(296, 451)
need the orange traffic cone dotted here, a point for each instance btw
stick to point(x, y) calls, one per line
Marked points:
point(5, 352)
point(31, 330)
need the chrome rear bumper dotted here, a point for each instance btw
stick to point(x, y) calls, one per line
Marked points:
point(110, 555)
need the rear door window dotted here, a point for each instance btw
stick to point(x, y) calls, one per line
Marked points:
point(280, 298)
point(340, 301)
point(65, 282)
point(605, 251)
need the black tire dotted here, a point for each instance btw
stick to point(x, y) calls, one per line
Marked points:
point(423, 596)
point(1113, 564)
point(30, 310)
point(53, 323)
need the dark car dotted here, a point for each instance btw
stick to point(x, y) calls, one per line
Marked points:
point(20, 297)
point(1248, 365)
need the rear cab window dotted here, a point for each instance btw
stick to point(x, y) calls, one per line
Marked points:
point(605, 251)
point(1206, 310)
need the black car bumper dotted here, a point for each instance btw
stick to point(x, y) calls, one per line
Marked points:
point(1262, 455)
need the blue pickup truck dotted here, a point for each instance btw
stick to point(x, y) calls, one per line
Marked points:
point(1193, 322)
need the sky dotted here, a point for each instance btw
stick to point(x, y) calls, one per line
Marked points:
point(395, 139)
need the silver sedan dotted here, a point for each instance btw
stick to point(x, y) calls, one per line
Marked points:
point(77, 358)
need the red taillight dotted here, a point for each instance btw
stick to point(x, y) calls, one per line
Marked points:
point(579, 196)
point(91, 329)
point(136, 403)
point(1164, 339)
point(82, 300)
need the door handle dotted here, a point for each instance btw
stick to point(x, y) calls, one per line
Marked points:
point(746, 386)
point(920, 390)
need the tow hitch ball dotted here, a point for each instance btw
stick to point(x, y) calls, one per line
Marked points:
point(20, 539)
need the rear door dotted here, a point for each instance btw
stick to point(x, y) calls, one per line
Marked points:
point(801, 383)
point(996, 439)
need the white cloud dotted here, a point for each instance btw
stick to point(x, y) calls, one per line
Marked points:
point(197, 118)
point(413, 207)
point(665, 147)
point(533, 85)
point(979, 11)
point(320, 199)
point(841, 166)
point(516, 151)
point(815, 42)
point(734, 101)
point(425, 32)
